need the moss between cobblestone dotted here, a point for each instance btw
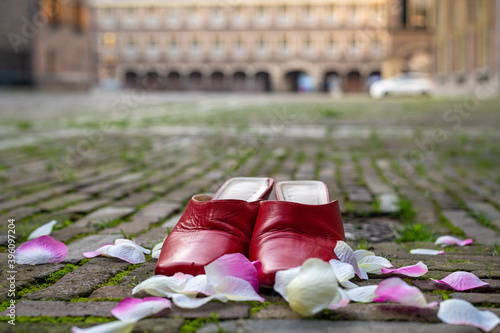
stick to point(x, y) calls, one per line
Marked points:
point(117, 278)
point(104, 299)
point(444, 293)
point(191, 326)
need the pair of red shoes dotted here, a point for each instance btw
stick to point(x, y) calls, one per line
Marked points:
point(281, 234)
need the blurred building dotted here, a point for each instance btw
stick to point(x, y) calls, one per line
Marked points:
point(45, 44)
point(467, 45)
point(255, 45)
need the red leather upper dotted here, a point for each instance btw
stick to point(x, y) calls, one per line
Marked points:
point(287, 233)
point(207, 230)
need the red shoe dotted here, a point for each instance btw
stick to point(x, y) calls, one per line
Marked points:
point(302, 224)
point(213, 226)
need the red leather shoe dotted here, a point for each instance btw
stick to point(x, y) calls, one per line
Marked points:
point(213, 226)
point(302, 224)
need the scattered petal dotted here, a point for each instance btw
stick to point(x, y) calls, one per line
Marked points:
point(127, 252)
point(43, 230)
point(450, 240)
point(416, 270)
point(283, 279)
point(343, 272)
point(374, 264)
point(41, 250)
point(460, 312)
point(163, 286)
point(186, 302)
point(340, 300)
point(102, 251)
point(156, 254)
point(136, 309)
point(113, 327)
point(426, 251)
point(157, 247)
point(396, 290)
point(364, 294)
point(346, 254)
point(314, 288)
point(198, 284)
point(360, 254)
point(236, 289)
point(462, 281)
point(234, 264)
point(128, 241)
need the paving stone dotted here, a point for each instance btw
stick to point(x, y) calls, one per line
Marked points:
point(26, 275)
point(86, 244)
point(61, 201)
point(106, 214)
point(172, 221)
point(476, 298)
point(135, 199)
point(34, 197)
point(487, 210)
point(115, 291)
point(18, 214)
point(428, 285)
point(225, 311)
point(321, 326)
point(152, 237)
point(38, 327)
point(63, 309)
point(472, 228)
point(87, 206)
point(139, 274)
point(82, 281)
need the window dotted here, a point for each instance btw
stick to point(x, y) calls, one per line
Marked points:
point(239, 46)
point(261, 45)
point(173, 15)
point(307, 13)
point(77, 16)
point(353, 15)
point(131, 49)
point(283, 13)
point(418, 14)
point(308, 45)
point(330, 14)
point(284, 46)
point(217, 46)
point(109, 17)
point(174, 49)
point(377, 47)
point(109, 39)
point(153, 51)
point(131, 18)
point(53, 11)
point(355, 48)
point(152, 16)
point(332, 47)
point(195, 46)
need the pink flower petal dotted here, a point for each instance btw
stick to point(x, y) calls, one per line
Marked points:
point(450, 240)
point(426, 252)
point(137, 309)
point(462, 281)
point(113, 327)
point(460, 312)
point(234, 264)
point(41, 250)
point(346, 254)
point(103, 250)
point(413, 271)
point(396, 290)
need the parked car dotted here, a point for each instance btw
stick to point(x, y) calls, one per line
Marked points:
point(411, 84)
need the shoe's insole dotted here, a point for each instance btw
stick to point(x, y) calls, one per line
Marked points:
point(309, 192)
point(243, 188)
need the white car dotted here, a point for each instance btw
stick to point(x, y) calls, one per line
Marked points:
point(411, 84)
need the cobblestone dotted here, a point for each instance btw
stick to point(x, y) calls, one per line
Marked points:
point(137, 180)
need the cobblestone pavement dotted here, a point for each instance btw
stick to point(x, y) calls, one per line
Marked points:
point(124, 164)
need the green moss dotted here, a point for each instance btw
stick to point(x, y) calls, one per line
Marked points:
point(444, 293)
point(48, 319)
point(415, 232)
point(487, 305)
point(191, 326)
point(406, 213)
point(117, 278)
point(255, 307)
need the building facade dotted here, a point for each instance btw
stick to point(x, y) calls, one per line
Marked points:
point(45, 44)
point(467, 46)
point(254, 45)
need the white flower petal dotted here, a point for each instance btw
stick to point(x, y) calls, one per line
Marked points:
point(136, 309)
point(157, 247)
point(346, 254)
point(112, 327)
point(364, 294)
point(128, 241)
point(374, 264)
point(187, 302)
point(460, 312)
point(43, 230)
point(340, 300)
point(198, 284)
point(360, 254)
point(41, 250)
point(348, 284)
point(283, 279)
point(426, 251)
point(163, 286)
point(313, 289)
point(343, 271)
point(127, 252)
point(236, 289)
point(156, 254)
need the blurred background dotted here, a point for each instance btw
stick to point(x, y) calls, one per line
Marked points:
point(331, 46)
